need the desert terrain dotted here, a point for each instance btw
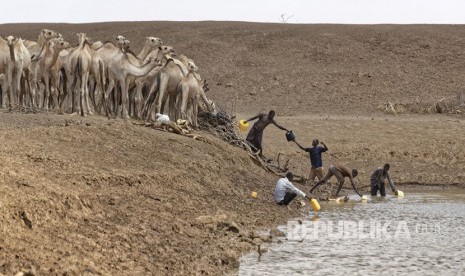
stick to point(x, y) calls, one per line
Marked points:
point(98, 196)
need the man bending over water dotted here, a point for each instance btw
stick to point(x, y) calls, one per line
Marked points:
point(340, 171)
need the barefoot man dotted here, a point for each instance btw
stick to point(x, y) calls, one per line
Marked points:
point(340, 171)
point(316, 161)
point(255, 135)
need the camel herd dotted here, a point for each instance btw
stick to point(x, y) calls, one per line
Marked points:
point(104, 78)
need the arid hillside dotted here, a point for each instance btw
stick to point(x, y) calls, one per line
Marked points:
point(98, 196)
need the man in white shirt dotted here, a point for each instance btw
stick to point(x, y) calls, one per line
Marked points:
point(285, 192)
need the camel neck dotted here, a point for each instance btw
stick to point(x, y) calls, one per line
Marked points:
point(144, 52)
point(12, 52)
point(41, 40)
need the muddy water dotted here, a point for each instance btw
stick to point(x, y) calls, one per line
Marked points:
point(421, 234)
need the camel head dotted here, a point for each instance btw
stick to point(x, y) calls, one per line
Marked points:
point(81, 37)
point(49, 34)
point(166, 50)
point(191, 67)
point(11, 40)
point(126, 44)
point(153, 41)
point(58, 44)
point(120, 39)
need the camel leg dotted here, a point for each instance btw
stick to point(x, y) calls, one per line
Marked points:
point(172, 107)
point(106, 101)
point(72, 95)
point(54, 91)
point(4, 91)
point(65, 91)
point(17, 85)
point(47, 90)
point(161, 95)
point(9, 78)
point(124, 98)
point(28, 80)
point(87, 98)
point(195, 112)
point(138, 100)
point(149, 100)
point(82, 94)
point(184, 100)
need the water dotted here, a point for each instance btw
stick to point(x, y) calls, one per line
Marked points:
point(421, 234)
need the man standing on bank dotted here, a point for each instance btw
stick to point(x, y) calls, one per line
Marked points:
point(255, 135)
point(316, 161)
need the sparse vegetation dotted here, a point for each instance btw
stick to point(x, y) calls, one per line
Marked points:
point(452, 105)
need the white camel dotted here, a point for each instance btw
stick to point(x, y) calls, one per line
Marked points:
point(19, 63)
point(152, 81)
point(4, 58)
point(35, 49)
point(190, 92)
point(151, 43)
point(169, 77)
point(81, 62)
point(46, 74)
point(120, 69)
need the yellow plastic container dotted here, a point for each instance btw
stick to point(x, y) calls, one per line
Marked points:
point(364, 198)
point(400, 193)
point(243, 126)
point(253, 194)
point(315, 205)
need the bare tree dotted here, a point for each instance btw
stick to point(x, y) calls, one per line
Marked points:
point(285, 17)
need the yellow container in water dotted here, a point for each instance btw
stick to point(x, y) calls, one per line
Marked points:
point(243, 125)
point(315, 205)
point(253, 194)
point(400, 193)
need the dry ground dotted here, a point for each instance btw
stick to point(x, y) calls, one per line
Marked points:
point(90, 195)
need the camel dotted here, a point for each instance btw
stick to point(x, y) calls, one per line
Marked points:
point(35, 50)
point(19, 63)
point(80, 64)
point(62, 78)
point(102, 56)
point(169, 77)
point(120, 69)
point(4, 58)
point(190, 92)
point(152, 80)
point(150, 50)
point(45, 35)
point(52, 50)
point(2, 86)
point(151, 43)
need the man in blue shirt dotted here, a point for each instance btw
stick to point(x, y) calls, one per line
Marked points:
point(315, 159)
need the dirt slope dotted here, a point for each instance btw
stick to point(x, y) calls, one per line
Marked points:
point(98, 196)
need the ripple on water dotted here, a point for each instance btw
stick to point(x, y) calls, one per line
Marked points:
point(435, 223)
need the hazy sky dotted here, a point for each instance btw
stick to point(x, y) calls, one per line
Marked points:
point(292, 11)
